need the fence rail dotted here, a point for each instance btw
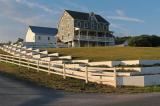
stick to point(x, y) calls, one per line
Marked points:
point(65, 70)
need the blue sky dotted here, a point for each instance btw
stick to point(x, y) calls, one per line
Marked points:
point(127, 17)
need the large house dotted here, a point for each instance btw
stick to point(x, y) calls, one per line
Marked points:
point(41, 37)
point(78, 29)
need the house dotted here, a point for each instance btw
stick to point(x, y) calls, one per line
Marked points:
point(39, 37)
point(79, 29)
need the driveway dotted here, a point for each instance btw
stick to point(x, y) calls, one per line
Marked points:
point(19, 93)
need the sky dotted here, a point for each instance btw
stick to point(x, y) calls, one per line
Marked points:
point(126, 17)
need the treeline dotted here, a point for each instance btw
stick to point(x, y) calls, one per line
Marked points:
point(140, 41)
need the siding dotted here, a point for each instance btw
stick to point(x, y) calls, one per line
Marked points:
point(30, 36)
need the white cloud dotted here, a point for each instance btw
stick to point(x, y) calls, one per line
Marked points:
point(123, 30)
point(35, 5)
point(120, 12)
point(16, 16)
point(124, 18)
point(121, 16)
point(75, 5)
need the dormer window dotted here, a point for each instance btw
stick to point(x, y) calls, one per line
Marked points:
point(92, 16)
point(105, 27)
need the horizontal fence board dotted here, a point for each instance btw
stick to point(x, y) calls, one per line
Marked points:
point(57, 67)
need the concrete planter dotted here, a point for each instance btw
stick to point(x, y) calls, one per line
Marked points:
point(32, 53)
point(48, 58)
point(44, 52)
point(147, 80)
point(38, 56)
point(66, 57)
point(36, 50)
point(80, 61)
point(54, 54)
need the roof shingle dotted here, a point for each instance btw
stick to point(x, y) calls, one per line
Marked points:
point(85, 16)
point(44, 30)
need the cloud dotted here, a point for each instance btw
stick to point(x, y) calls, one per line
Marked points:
point(126, 19)
point(16, 16)
point(119, 27)
point(121, 16)
point(73, 4)
point(35, 5)
point(123, 31)
point(120, 12)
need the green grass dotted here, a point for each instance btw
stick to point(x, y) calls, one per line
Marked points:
point(69, 84)
point(109, 53)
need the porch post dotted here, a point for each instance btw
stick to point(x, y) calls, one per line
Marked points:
point(105, 39)
point(97, 40)
point(79, 38)
point(87, 38)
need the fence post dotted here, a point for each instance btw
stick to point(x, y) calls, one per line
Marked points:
point(6, 59)
point(19, 60)
point(0, 58)
point(64, 71)
point(28, 63)
point(49, 67)
point(38, 65)
point(12, 59)
point(86, 71)
point(115, 77)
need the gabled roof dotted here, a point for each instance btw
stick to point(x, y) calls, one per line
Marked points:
point(85, 16)
point(44, 30)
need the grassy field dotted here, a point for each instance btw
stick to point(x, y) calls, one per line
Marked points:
point(109, 53)
point(69, 85)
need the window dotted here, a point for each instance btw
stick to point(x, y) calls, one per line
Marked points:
point(86, 25)
point(78, 24)
point(98, 26)
point(101, 26)
point(83, 33)
point(39, 38)
point(105, 27)
point(95, 26)
point(48, 38)
point(82, 24)
point(75, 23)
point(92, 25)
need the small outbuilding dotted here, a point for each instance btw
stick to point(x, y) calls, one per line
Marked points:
point(40, 37)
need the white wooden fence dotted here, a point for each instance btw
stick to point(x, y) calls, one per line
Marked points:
point(65, 70)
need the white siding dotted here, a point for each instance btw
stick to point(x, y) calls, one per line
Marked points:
point(44, 39)
point(30, 36)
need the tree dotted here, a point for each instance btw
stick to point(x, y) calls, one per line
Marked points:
point(144, 41)
point(121, 40)
point(19, 40)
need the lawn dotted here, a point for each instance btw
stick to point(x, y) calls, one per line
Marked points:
point(69, 84)
point(109, 53)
